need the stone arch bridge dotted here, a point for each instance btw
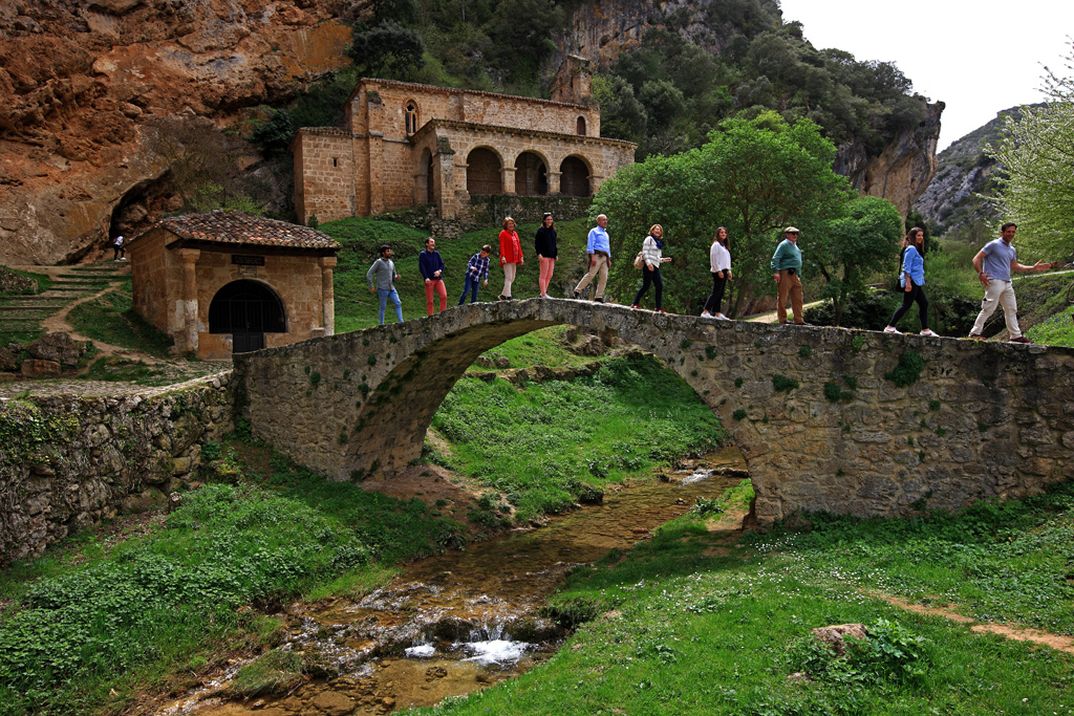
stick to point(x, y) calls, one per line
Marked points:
point(829, 419)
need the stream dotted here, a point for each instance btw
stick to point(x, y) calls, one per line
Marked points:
point(460, 621)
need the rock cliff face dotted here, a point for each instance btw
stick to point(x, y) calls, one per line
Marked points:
point(954, 201)
point(604, 29)
point(90, 92)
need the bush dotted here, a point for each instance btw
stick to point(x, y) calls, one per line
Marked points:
point(869, 310)
point(890, 653)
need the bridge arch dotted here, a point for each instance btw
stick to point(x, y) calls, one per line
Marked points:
point(820, 426)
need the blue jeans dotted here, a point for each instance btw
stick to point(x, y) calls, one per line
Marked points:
point(470, 286)
point(383, 296)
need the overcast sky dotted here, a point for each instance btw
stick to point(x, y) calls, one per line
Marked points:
point(977, 57)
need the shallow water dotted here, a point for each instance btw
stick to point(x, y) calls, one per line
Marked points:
point(458, 622)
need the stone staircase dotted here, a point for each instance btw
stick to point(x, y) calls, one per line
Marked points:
point(21, 316)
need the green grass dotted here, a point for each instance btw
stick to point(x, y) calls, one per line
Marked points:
point(632, 415)
point(356, 308)
point(540, 348)
point(92, 622)
point(1055, 331)
point(111, 319)
point(689, 629)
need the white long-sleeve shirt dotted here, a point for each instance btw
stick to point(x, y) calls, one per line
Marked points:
point(719, 257)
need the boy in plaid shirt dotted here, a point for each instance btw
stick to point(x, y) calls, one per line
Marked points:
point(477, 272)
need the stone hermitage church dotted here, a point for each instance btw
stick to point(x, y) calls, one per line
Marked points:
point(406, 144)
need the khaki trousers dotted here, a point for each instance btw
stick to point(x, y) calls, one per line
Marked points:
point(789, 285)
point(998, 293)
point(598, 267)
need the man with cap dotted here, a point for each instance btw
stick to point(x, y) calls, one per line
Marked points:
point(786, 271)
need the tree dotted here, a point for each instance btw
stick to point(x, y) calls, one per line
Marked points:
point(752, 176)
point(1036, 186)
point(864, 237)
point(387, 49)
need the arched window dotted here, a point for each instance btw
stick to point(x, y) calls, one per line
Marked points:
point(484, 173)
point(574, 177)
point(581, 126)
point(411, 113)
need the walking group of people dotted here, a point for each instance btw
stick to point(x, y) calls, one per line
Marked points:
point(994, 265)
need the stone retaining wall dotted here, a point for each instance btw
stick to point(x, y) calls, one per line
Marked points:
point(71, 457)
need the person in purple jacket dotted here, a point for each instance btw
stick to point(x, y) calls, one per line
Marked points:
point(432, 270)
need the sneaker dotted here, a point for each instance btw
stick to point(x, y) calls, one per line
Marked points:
point(706, 314)
point(577, 296)
point(660, 310)
point(634, 305)
point(1020, 339)
point(930, 333)
point(501, 297)
point(599, 300)
point(975, 337)
point(721, 317)
point(892, 329)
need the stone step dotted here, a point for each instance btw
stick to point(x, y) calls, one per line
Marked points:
point(7, 310)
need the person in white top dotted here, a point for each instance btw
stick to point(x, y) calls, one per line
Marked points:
point(720, 266)
point(652, 256)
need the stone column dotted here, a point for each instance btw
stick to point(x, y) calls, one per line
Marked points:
point(508, 180)
point(188, 340)
point(554, 182)
point(328, 295)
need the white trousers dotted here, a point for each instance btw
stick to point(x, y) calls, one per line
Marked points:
point(508, 278)
point(998, 293)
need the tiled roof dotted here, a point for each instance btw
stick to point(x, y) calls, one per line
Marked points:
point(233, 227)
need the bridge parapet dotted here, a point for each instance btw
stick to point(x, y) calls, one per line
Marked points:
point(836, 420)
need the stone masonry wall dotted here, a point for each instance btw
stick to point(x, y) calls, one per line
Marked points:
point(829, 419)
point(324, 174)
point(73, 457)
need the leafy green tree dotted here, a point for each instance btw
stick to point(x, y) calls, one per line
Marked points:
point(752, 176)
point(387, 49)
point(1036, 187)
point(864, 237)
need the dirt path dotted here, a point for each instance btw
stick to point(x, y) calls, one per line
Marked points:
point(770, 317)
point(1009, 631)
point(58, 322)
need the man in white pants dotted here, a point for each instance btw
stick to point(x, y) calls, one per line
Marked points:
point(994, 264)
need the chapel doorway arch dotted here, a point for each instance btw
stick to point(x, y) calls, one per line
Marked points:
point(574, 177)
point(531, 175)
point(484, 172)
point(247, 310)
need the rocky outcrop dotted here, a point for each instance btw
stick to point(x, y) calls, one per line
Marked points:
point(956, 200)
point(605, 29)
point(904, 168)
point(91, 94)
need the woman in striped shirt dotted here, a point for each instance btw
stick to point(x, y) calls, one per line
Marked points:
point(652, 249)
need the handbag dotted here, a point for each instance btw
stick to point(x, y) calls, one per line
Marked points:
point(639, 260)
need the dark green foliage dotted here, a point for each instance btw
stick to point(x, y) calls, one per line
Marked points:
point(738, 382)
point(837, 393)
point(274, 134)
point(805, 351)
point(865, 236)
point(739, 414)
point(387, 49)
point(908, 370)
point(869, 309)
point(783, 384)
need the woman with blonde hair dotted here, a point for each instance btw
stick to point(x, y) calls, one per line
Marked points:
point(652, 257)
point(510, 256)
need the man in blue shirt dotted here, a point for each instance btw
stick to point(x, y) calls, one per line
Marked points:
point(432, 270)
point(599, 248)
point(994, 264)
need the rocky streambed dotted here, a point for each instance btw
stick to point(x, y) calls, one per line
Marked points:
point(457, 622)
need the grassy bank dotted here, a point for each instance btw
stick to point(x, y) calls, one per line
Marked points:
point(92, 622)
point(689, 625)
point(547, 443)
